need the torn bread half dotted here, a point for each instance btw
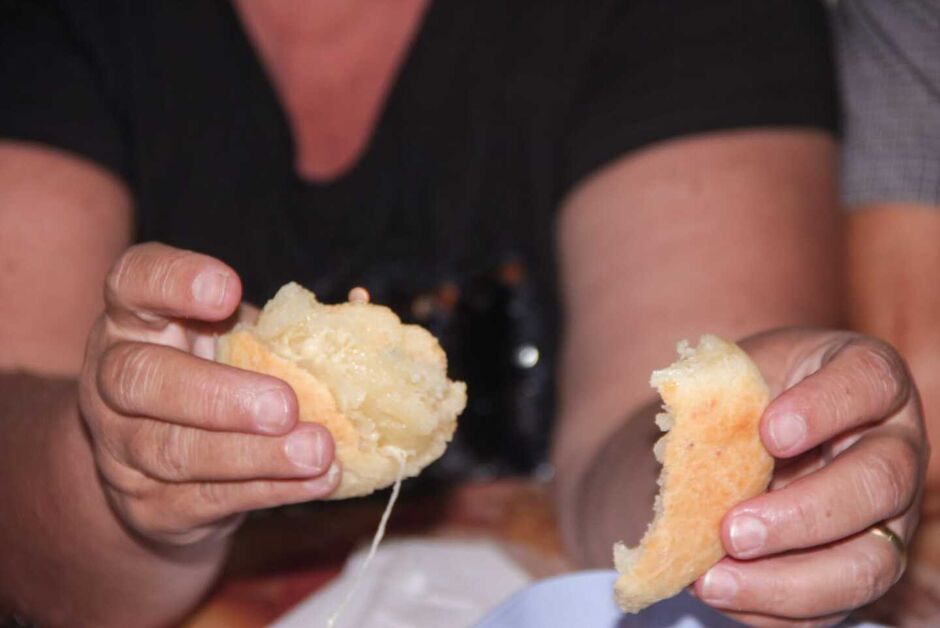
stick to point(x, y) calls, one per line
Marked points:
point(378, 385)
point(712, 459)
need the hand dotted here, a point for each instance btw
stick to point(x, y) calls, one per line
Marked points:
point(846, 427)
point(184, 445)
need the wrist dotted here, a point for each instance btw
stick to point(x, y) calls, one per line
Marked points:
point(85, 566)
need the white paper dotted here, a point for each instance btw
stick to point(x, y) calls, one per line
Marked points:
point(416, 583)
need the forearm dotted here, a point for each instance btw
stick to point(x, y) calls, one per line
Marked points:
point(725, 234)
point(894, 260)
point(607, 495)
point(67, 560)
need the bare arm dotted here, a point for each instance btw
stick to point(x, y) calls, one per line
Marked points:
point(63, 222)
point(729, 233)
point(891, 93)
point(126, 474)
point(894, 262)
point(735, 233)
point(67, 560)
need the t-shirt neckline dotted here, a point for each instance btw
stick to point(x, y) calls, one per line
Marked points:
point(258, 74)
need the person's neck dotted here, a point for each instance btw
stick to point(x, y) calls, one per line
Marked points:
point(299, 21)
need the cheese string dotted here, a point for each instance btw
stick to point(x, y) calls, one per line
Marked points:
point(376, 539)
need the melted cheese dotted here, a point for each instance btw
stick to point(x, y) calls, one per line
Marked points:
point(376, 539)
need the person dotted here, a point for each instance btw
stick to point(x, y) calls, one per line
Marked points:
point(889, 57)
point(658, 170)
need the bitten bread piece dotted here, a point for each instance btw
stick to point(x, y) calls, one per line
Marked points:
point(712, 459)
point(379, 386)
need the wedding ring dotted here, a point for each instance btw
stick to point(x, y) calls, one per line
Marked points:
point(884, 532)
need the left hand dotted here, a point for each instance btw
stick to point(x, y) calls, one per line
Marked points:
point(846, 427)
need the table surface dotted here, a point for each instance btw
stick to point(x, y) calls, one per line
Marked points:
point(280, 557)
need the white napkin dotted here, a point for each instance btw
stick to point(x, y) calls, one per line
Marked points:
point(415, 583)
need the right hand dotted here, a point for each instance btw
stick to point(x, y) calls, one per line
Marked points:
point(184, 446)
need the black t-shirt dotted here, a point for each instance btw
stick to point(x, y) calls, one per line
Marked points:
point(500, 108)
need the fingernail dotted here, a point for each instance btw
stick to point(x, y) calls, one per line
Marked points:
point(332, 474)
point(306, 449)
point(787, 431)
point(326, 481)
point(719, 586)
point(271, 412)
point(748, 535)
point(209, 288)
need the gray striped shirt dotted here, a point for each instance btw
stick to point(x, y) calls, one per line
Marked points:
point(889, 57)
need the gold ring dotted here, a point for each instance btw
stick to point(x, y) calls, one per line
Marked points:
point(884, 532)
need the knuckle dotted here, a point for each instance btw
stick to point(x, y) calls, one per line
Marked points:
point(89, 397)
point(182, 536)
point(161, 451)
point(886, 479)
point(120, 478)
point(129, 372)
point(138, 513)
point(154, 268)
point(212, 495)
point(172, 453)
point(869, 577)
point(830, 401)
point(804, 520)
point(158, 515)
point(121, 270)
point(164, 277)
point(153, 521)
point(139, 446)
point(97, 340)
point(212, 396)
point(882, 366)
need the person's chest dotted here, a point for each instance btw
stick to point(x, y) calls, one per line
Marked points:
point(332, 66)
point(445, 179)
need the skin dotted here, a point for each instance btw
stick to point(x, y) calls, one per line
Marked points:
point(856, 462)
point(629, 298)
point(893, 261)
point(332, 67)
point(147, 449)
point(151, 452)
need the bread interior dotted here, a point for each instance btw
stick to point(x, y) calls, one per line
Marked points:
point(389, 380)
point(705, 367)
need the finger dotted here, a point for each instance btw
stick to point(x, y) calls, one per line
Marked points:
point(770, 621)
point(872, 481)
point(177, 515)
point(170, 453)
point(143, 379)
point(767, 621)
point(248, 313)
point(803, 585)
point(202, 337)
point(864, 381)
point(153, 282)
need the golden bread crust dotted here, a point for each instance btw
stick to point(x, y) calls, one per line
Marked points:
point(712, 459)
point(400, 403)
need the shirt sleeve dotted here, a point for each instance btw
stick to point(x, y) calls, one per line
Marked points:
point(666, 69)
point(889, 56)
point(53, 87)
